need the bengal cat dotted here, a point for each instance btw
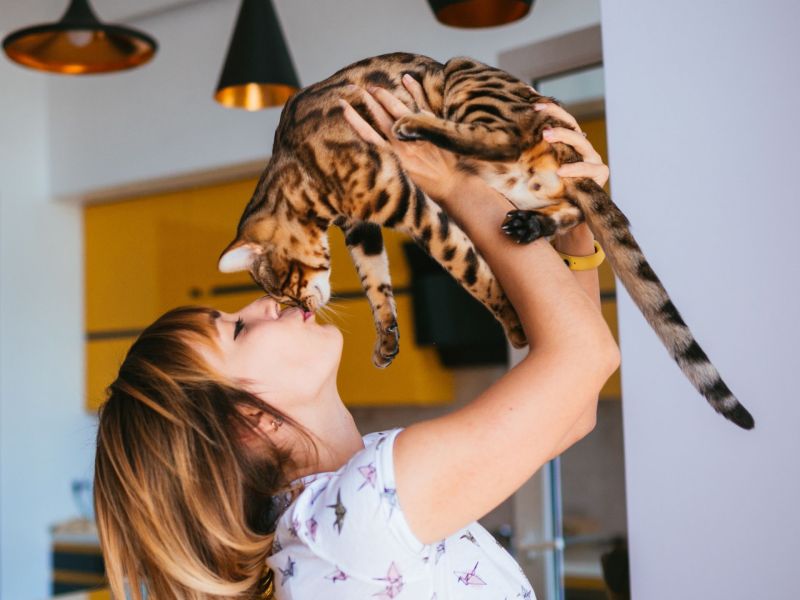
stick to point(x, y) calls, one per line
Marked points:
point(321, 173)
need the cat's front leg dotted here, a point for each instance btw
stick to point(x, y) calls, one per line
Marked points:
point(525, 226)
point(365, 244)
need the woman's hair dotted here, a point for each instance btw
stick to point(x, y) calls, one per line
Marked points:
point(183, 508)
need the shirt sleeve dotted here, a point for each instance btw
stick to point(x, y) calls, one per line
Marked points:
point(352, 517)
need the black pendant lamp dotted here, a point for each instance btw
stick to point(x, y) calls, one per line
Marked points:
point(479, 13)
point(79, 44)
point(258, 72)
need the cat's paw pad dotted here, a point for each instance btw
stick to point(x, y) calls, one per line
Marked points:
point(406, 129)
point(386, 346)
point(522, 226)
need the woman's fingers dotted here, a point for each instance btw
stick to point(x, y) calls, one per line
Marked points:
point(598, 172)
point(357, 122)
point(574, 139)
point(554, 110)
point(392, 104)
point(383, 119)
point(417, 93)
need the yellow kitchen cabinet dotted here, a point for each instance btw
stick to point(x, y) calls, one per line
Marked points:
point(146, 255)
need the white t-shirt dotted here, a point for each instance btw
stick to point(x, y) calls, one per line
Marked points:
point(345, 537)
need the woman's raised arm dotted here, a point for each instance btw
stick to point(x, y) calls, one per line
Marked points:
point(452, 470)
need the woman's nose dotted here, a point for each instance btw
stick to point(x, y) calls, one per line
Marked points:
point(263, 307)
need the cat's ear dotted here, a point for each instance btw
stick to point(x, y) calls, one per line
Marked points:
point(238, 256)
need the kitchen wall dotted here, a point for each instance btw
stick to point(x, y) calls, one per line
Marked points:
point(701, 101)
point(45, 436)
point(161, 119)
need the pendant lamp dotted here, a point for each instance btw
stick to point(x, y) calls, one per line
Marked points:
point(479, 13)
point(258, 71)
point(79, 44)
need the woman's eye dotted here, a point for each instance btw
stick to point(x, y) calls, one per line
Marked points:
point(237, 329)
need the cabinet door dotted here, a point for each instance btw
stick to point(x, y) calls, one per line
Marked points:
point(149, 254)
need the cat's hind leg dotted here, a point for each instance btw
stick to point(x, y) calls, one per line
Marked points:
point(487, 141)
point(365, 243)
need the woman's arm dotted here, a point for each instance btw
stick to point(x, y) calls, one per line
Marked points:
point(454, 469)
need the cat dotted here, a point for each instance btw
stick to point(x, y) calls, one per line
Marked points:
point(321, 173)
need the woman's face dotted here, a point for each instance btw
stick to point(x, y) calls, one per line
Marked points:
point(284, 357)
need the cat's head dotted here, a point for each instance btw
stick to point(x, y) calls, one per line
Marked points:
point(288, 258)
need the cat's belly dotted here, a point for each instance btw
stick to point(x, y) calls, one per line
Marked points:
point(519, 189)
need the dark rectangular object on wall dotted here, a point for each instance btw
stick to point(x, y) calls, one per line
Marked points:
point(447, 317)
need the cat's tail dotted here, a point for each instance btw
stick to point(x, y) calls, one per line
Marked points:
point(612, 230)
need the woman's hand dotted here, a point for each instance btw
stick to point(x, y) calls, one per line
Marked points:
point(592, 165)
point(579, 240)
point(430, 167)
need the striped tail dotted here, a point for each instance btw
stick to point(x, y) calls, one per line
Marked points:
point(611, 227)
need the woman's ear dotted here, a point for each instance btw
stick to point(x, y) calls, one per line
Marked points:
point(257, 425)
point(238, 256)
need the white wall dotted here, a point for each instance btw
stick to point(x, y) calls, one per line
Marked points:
point(45, 437)
point(702, 104)
point(161, 120)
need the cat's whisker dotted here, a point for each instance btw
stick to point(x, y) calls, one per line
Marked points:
point(336, 318)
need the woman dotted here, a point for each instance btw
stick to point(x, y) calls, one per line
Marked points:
point(224, 445)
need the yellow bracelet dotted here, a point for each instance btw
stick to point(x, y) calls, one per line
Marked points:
point(584, 263)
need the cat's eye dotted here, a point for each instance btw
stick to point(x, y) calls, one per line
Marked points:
point(237, 329)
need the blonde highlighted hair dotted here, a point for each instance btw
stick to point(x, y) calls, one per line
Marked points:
point(183, 509)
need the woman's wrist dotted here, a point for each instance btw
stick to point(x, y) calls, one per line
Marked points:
point(578, 241)
point(454, 187)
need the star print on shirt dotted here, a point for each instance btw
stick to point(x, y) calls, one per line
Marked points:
point(524, 594)
point(340, 511)
point(288, 571)
point(439, 551)
point(390, 494)
point(469, 537)
point(369, 473)
point(469, 577)
point(276, 545)
point(394, 583)
point(337, 575)
point(311, 528)
point(294, 527)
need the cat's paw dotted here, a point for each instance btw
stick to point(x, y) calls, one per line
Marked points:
point(407, 129)
point(386, 346)
point(523, 226)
